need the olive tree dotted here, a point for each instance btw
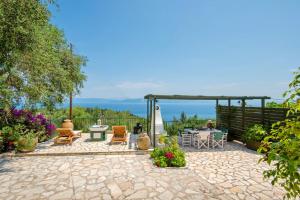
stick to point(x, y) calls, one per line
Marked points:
point(36, 62)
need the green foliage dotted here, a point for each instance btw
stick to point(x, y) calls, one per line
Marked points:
point(170, 155)
point(172, 130)
point(26, 142)
point(282, 146)
point(36, 62)
point(184, 121)
point(255, 133)
point(274, 104)
point(286, 104)
point(83, 118)
point(1, 144)
point(162, 139)
point(14, 132)
point(11, 133)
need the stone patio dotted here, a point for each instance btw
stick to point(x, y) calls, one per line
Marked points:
point(84, 144)
point(232, 173)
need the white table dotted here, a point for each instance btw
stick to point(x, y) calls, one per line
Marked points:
point(97, 132)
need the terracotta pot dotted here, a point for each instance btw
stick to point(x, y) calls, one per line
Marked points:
point(253, 145)
point(143, 141)
point(67, 124)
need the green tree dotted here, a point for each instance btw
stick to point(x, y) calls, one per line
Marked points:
point(282, 146)
point(36, 62)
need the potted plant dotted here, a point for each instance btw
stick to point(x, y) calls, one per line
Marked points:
point(254, 135)
point(20, 138)
point(27, 142)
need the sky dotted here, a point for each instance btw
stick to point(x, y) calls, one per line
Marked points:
point(196, 47)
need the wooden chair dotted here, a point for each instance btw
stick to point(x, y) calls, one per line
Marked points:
point(119, 134)
point(66, 136)
point(217, 139)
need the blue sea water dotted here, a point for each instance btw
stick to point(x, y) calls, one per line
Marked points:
point(168, 110)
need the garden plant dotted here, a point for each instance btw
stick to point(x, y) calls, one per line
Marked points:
point(254, 135)
point(21, 128)
point(170, 155)
point(281, 147)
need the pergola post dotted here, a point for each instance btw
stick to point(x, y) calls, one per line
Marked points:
point(217, 105)
point(229, 114)
point(147, 120)
point(154, 135)
point(71, 107)
point(150, 118)
point(263, 111)
point(243, 113)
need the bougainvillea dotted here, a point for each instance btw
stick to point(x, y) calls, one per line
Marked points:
point(37, 123)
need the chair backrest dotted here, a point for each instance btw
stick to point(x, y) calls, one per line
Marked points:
point(65, 132)
point(204, 135)
point(119, 130)
point(218, 135)
point(186, 135)
point(224, 130)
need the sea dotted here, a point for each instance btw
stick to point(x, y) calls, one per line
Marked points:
point(169, 109)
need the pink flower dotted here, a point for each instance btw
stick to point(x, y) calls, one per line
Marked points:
point(169, 155)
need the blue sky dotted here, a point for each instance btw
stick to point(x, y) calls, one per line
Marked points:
point(136, 47)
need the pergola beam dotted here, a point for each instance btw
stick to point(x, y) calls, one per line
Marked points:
point(202, 97)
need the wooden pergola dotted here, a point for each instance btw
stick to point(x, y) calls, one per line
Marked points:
point(152, 98)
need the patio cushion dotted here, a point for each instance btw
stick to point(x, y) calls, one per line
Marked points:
point(119, 129)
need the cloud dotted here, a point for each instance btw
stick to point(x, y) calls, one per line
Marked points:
point(139, 85)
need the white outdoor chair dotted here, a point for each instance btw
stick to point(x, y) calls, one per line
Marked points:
point(203, 140)
point(225, 131)
point(195, 140)
point(186, 139)
point(225, 138)
point(217, 139)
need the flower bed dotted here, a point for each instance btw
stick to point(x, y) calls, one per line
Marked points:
point(169, 156)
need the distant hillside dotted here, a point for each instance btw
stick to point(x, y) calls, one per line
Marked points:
point(102, 100)
point(78, 101)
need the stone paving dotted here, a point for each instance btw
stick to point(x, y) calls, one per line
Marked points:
point(84, 144)
point(232, 173)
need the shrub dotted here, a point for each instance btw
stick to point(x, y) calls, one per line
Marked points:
point(169, 156)
point(255, 133)
point(172, 130)
point(1, 144)
point(22, 120)
point(282, 146)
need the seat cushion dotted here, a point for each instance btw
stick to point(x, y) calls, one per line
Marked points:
point(119, 129)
